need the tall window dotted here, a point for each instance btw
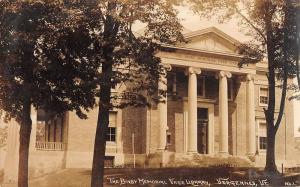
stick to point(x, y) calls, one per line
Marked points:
point(111, 134)
point(263, 96)
point(262, 133)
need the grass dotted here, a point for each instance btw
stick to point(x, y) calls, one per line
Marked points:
point(166, 176)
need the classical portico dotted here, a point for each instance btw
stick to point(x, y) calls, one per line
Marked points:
point(210, 54)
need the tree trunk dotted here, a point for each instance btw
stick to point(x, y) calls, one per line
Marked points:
point(270, 167)
point(99, 148)
point(111, 28)
point(101, 131)
point(25, 131)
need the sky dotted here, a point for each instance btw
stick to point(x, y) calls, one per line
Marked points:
point(193, 22)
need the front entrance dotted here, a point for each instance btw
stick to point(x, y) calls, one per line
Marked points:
point(202, 130)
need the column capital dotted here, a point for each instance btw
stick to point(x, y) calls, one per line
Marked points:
point(245, 78)
point(192, 70)
point(167, 67)
point(249, 77)
point(222, 74)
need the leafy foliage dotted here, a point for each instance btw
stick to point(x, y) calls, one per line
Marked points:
point(127, 61)
point(27, 73)
point(59, 55)
point(28, 77)
point(103, 30)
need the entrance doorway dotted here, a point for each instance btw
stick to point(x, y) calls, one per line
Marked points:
point(202, 130)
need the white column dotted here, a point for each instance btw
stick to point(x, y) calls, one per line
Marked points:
point(192, 109)
point(250, 113)
point(12, 154)
point(162, 109)
point(223, 110)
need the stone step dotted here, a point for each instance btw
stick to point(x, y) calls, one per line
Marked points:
point(201, 160)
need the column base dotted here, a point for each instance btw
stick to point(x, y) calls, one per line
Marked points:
point(206, 160)
point(192, 152)
point(224, 153)
point(251, 156)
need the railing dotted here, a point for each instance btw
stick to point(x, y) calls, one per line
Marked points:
point(50, 146)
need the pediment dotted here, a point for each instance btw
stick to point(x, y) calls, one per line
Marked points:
point(211, 39)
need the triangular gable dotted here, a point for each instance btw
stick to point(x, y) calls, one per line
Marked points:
point(210, 39)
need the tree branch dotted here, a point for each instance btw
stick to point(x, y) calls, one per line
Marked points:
point(285, 67)
point(252, 25)
point(283, 97)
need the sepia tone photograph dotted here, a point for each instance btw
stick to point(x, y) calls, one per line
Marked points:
point(108, 93)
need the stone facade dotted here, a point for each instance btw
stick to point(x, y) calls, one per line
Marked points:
point(213, 114)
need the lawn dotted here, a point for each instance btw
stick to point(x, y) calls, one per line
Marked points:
point(167, 177)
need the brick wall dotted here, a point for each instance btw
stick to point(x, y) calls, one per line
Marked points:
point(134, 121)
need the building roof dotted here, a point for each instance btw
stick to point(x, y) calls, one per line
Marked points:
point(212, 30)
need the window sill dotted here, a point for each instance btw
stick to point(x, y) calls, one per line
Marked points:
point(262, 152)
point(262, 105)
point(109, 143)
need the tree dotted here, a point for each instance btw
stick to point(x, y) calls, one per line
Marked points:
point(30, 75)
point(56, 63)
point(272, 24)
point(102, 39)
point(128, 60)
